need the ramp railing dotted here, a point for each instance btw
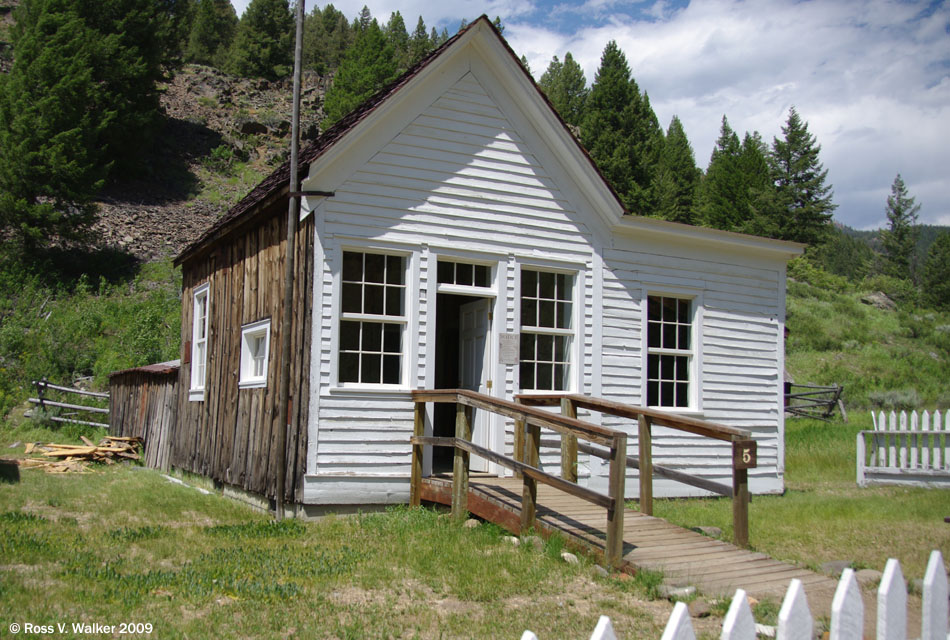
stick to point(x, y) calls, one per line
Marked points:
point(743, 451)
point(528, 423)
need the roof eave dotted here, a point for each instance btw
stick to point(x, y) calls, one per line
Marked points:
point(640, 226)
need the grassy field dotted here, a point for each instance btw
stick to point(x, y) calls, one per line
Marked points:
point(123, 545)
point(824, 515)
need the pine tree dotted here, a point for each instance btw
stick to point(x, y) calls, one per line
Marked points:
point(899, 240)
point(759, 213)
point(566, 88)
point(803, 199)
point(367, 67)
point(52, 156)
point(606, 125)
point(935, 275)
point(263, 44)
point(363, 20)
point(621, 132)
point(398, 39)
point(723, 187)
point(419, 43)
point(212, 30)
point(677, 177)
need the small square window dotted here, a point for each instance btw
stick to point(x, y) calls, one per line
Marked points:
point(255, 352)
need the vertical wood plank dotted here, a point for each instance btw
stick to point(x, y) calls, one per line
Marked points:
point(418, 429)
point(645, 447)
point(902, 441)
point(927, 439)
point(618, 475)
point(679, 627)
point(847, 609)
point(604, 630)
point(738, 623)
point(934, 614)
point(463, 431)
point(568, 444)
point(529, 489)
point(912, 440)
point(861, 457)
point(740, 502)
point(892, 603)
point(794, 618)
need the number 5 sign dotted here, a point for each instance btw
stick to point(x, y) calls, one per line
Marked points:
point(743, 454)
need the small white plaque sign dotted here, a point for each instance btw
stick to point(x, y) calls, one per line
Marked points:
point(509, 348)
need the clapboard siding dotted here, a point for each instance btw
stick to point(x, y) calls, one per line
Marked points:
point(231, 434)
point(458, 177)
point(739, 354)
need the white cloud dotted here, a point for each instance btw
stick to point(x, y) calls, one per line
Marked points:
point(869, 76)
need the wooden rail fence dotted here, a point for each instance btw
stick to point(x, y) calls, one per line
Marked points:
point(795, 621)
point(43, 402)
point(608, 444)
point(905, 449)
point(814, 401)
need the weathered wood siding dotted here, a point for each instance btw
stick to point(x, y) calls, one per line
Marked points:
point(144, 404)
point(231, 435)
point(740, 321)
point(460, 180)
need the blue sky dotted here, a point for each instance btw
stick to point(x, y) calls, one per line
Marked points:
point(871, 77)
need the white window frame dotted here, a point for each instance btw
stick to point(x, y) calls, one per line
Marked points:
point(401, 321)
point(251, 378)
point(199, 327)
point(694, 353)
point(573, 333)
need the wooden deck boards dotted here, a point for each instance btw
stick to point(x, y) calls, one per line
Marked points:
point(716, 568)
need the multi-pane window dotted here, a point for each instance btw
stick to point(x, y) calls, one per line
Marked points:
point(255, 348)
point(669, 351)
point(199, 338)
point(463, 274)
point(373, 318)
point(547, 329)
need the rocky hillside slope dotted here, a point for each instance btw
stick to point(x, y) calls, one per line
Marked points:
point(219, 137)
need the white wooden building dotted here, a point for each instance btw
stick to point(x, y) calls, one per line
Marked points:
point(469, 241)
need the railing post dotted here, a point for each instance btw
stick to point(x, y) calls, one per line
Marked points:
point(519, 442)
point(568, 444)
point(743, 459)
point(529, 492)
point(463, 431)
point(645, 446)
point(418, 429)
point(618, 469)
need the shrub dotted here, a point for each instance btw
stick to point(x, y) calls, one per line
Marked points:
point(902, 400)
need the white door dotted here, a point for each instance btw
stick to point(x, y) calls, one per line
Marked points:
point(475, 369)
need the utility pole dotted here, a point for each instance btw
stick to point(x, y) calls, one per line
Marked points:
point(286, 326)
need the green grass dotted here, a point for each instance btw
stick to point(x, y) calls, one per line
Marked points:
point(123, 544)
point(824, 515)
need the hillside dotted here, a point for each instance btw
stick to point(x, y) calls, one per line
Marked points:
point(221, 135)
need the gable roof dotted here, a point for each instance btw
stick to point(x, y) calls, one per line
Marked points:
point(274, 188)
point(276, 185)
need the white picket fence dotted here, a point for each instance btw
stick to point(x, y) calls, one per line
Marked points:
point(795, 620)
point(905, 449)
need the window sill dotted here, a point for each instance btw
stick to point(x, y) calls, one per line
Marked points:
point(252, 384)
point(196, 395)
point(381, 389)
point(686, 413)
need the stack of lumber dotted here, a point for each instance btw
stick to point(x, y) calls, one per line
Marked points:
point(74, 458)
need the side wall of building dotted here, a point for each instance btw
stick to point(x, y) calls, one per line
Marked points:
point(230, 433)
point(738, 328)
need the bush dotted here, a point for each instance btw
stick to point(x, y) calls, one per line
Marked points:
point(903, 400)
point(899, 290)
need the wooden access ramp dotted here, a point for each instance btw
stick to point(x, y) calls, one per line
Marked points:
point(714, 567)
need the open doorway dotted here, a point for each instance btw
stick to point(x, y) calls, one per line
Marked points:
point(462, 361)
